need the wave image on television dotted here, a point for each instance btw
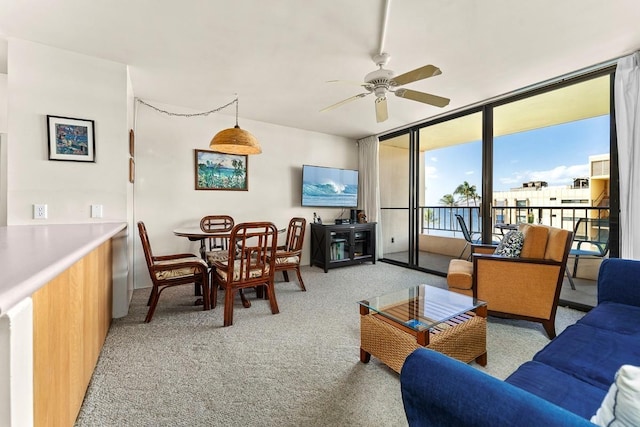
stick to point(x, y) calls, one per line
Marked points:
point(329, 187)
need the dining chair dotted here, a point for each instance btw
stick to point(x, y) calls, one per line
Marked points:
point(288, 256)
point(250, 264)
point(217, 224)
point(172, 270)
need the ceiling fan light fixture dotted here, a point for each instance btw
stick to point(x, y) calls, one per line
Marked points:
point(235, 140)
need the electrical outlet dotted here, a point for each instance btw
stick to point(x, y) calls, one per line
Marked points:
point(96, 211)
point(39, 211)
point(393, 240)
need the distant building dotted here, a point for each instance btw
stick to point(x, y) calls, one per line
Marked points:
point(530, 199)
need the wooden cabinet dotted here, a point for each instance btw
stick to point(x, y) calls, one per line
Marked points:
point(338, 245)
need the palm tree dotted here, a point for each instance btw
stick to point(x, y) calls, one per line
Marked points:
point(448, 200)
point(466, 191)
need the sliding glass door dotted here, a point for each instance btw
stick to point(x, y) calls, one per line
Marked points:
point(541, 157)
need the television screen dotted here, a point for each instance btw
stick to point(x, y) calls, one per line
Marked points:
point(329, 187)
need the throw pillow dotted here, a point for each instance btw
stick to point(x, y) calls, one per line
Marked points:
point(620, 405)
point(511, 244)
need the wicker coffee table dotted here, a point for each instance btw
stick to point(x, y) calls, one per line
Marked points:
point(395, 324)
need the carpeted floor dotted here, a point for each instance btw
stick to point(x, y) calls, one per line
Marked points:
point(297, 368)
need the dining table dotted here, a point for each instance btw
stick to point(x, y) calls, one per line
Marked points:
point(195, 234)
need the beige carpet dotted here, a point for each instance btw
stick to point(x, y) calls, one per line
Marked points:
point(297, 368)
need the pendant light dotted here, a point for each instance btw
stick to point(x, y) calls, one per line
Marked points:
point(235, 140)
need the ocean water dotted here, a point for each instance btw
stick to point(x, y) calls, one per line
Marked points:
point(329, 194)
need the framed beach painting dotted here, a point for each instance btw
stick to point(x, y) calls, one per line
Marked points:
point(219, 171)
point(71, 139)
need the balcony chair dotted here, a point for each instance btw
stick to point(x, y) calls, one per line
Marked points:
point(526, 286)
point(250, 263)
point(288, 255)
point(172, 270)
point(468, 236)
point(591, 240)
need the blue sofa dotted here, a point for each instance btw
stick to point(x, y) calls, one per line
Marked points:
point(563, 385)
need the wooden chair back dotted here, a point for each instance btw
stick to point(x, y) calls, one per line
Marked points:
point(217, 224)
point(250, 263)
point(295, 235)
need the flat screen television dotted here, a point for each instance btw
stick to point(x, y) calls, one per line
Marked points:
point(329, 187)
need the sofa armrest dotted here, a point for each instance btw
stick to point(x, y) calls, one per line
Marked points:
point(440, 391)
point(619, 281)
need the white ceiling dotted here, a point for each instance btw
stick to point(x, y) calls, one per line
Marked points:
point(277, 55)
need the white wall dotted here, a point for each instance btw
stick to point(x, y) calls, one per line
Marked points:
point(44, 80)
point(3, 103)
point(165, 196)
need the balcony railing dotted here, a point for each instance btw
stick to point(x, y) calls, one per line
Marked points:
point(441, 219)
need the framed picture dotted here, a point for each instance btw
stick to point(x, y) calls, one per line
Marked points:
point(71, 139)
point(219, 171)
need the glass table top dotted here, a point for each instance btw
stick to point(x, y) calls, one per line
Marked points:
point(421, 307)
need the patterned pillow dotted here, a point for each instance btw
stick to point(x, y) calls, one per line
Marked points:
point(511, 244)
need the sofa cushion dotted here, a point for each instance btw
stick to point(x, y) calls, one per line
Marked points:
point(591, 354)
point(511, 244)
point(620, 318)
point(535, 240)
point(558, 388)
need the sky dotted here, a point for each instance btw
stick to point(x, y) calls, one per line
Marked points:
point(555, 154)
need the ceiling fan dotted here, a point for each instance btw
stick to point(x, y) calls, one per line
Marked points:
point(382, 81)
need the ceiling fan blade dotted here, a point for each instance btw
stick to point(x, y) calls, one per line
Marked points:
point(426, 98)
point(344, 101)
point(415, 75)
point(382, 113)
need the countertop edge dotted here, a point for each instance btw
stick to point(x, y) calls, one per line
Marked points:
point(98, 234)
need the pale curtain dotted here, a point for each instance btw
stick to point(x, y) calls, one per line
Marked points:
point(368, 165)
point(627, 96)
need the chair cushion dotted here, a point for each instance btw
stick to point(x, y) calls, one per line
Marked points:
point(283, 259)
point(620, 405)
point(511, 244)
point(253, 273)
point(535, 240)
point(460, 274)
point(220, 256)
point(178, 272)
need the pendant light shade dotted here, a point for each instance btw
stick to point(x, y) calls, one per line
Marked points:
point(235, 140)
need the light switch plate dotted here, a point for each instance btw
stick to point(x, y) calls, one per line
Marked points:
point(96, 211)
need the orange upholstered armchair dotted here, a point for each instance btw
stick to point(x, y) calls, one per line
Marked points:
point(524, 287)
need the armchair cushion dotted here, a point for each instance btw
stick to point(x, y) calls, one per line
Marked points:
point(535, 241)
point(511, 244)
